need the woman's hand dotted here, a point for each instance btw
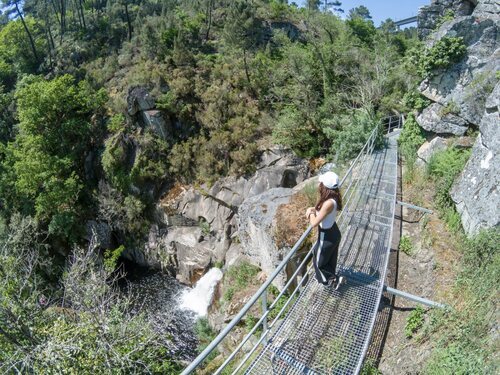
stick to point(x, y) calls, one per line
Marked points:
point(315, 219)
point(310, 211)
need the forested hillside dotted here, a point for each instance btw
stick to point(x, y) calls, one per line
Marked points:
point(105, 106)
point(227, 77)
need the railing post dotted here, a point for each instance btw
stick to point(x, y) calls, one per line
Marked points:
point(264, 310)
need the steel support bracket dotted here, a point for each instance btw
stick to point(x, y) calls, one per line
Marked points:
point(411, 297)
point(412, 206)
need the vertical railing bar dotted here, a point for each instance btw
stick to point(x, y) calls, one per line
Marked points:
point(264, 310)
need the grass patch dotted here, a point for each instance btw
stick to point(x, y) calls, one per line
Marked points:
point(443, 167)
point(464, 338)
point(369, 368)
point(410, 139)
point(406, 245)
point(414, 321)
point(205, 335)
point(237, 278)
point(310, 192)
point(279, 305)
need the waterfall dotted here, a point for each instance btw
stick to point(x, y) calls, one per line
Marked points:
point(198, 299)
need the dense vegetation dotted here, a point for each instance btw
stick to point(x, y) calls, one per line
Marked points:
point(229, 78)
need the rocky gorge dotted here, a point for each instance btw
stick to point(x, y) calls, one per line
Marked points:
point(197, 227)
point(235, 220)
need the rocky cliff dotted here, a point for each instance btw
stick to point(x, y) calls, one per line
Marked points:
point(465, 97)
point(198, 227)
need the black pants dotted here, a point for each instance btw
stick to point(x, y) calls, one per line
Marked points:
point(326, 252)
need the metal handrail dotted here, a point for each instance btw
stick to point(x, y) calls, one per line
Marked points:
point(261, 292)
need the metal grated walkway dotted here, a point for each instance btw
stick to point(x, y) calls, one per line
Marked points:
point(307, 328)
point(328, 331)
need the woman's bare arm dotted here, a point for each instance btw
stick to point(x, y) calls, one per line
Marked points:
point(315, 219)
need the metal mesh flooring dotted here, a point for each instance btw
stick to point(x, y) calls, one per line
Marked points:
point(327, 331)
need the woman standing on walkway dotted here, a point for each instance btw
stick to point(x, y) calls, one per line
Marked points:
point(324, 214)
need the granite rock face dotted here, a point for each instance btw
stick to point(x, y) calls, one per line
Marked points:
point(154, 120)
point(256, 220)
point(466, 96)
point(184, 251)
point(187, 249)
point(139, 99)
point(428, 149)
point(475, 192)
point(219, 204)
point(459, 92)
point(435, 119)
point(429, 16)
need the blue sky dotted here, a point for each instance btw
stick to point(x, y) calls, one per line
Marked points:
point(383, 9)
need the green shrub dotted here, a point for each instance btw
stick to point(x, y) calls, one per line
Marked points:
point(414, 100)
point(409, 141)
point(294, 130)
point(205, 227)
point(114, 161)
point(204, 332)
point(228, 294)
point(279, 305)
point(406, 245)
point(369, 368)
point(414, 321)
point(117, 123)
point(444, 166)
point(219, 264)
point(442, 54)
point(250, 322)
point(448, 15)
point(111, 258)
point(151, 163)
point(350, 133)
point(241, 275)
point(450, 107)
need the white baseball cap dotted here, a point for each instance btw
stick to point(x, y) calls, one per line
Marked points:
point(330, 180)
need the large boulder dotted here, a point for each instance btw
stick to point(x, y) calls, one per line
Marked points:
point(436, 119)
point(154, 120)
point(100, 232)
point(194, 252)
point(139, 99)
point(256, 223)
point(184, 251)
point(475, 192)
point(219, 203)
point(428, 149)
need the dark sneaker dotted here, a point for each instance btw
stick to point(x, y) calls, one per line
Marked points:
point(330, 283)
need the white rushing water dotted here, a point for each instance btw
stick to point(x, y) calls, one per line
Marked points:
point(198, 299)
